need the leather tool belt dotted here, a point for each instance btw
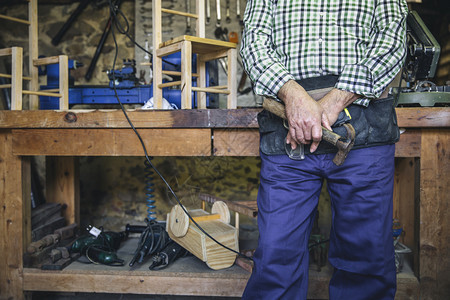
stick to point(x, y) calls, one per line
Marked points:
point(374, 125)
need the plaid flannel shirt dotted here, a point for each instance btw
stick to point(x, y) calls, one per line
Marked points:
point(362, 41)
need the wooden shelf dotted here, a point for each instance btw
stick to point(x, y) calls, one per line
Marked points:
point(186, 276)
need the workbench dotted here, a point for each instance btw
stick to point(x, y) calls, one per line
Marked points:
point(63, 136)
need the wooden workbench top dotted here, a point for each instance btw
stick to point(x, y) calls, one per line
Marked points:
point(195, 118)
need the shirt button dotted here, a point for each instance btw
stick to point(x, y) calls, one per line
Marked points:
point(320, 40)
point(321, 14)
point(320, 71)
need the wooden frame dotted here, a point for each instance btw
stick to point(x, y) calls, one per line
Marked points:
point(429, 137)
point(205, 49)
point(17, 67)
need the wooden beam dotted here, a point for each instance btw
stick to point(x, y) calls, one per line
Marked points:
point(109, 142)
point(14, 230)
point(423, 116)
point(435, 213)
point(136, 282)
point(33, 52)
point(197, 118)
point(186, 77)
point(406, 199)
point(63, 185)
point(46, 61)
point(232, 142)
point(232, 74)
point(409, 144)
point(5, 51)
point(16, 78)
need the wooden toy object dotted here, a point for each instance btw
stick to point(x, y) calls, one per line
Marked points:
point(184, 232)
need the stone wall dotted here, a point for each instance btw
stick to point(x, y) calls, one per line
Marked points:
point(112, 188)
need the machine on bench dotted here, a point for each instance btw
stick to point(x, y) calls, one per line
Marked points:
point(420, 66)
point(127, 85)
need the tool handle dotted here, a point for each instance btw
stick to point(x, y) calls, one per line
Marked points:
point(279, 110)
point(66, 26)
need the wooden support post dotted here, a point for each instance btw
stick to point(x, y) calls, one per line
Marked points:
point(63, 185)
point(200, 25)
point(186, 77)
point(64, 82)
point(232, 83)
point(16, 78)
point(14, 227)
point(201, 82)
point(33, 52)
point(157, 60)
point(406, 199)
point(434, 214)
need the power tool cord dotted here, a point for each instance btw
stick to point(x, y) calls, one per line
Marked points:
point(116, 24)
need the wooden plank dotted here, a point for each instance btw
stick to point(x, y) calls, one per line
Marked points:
point(201, 82)
point(204, 118)
point(232, 142)
point(108, 142)
point(423, 116)
point(208, 118)
point(16, 79)
point(214, 55)
point(409, 144)
point(232, 83)
point(63, 61)
point(12, 224)
point(200, 22)
point(435, 214)
point(33, 52)
point(157, 61)
point(186, 78)
point(405, 199)
point(5, 52)
point(46, 61)
point(201, 45)
point(63, 185)
point(134, 283)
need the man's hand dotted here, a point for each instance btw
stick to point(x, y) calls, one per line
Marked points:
point(335, 101)
point(305, 116)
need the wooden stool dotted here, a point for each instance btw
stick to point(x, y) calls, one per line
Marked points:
point(205, 49)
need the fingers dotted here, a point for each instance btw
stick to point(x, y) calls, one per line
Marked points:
point(326, 122)
point(290, 140)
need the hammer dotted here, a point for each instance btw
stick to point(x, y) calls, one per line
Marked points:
point(344, 145)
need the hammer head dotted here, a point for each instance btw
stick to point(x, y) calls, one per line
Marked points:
point(344, 146)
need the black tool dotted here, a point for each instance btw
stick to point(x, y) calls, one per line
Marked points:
point(100, 45)
point(168, 255)
point(152, 240)
point(57, 38)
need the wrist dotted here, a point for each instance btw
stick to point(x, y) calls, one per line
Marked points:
point(291, 91)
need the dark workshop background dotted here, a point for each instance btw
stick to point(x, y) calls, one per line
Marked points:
point(112, 188)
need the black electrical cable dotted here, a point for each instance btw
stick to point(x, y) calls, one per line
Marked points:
point(116, 23)
point(125, 31)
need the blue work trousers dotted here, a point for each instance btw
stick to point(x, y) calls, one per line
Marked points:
point(361, 244)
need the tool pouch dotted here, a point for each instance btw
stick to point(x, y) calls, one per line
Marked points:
point(374, 125)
